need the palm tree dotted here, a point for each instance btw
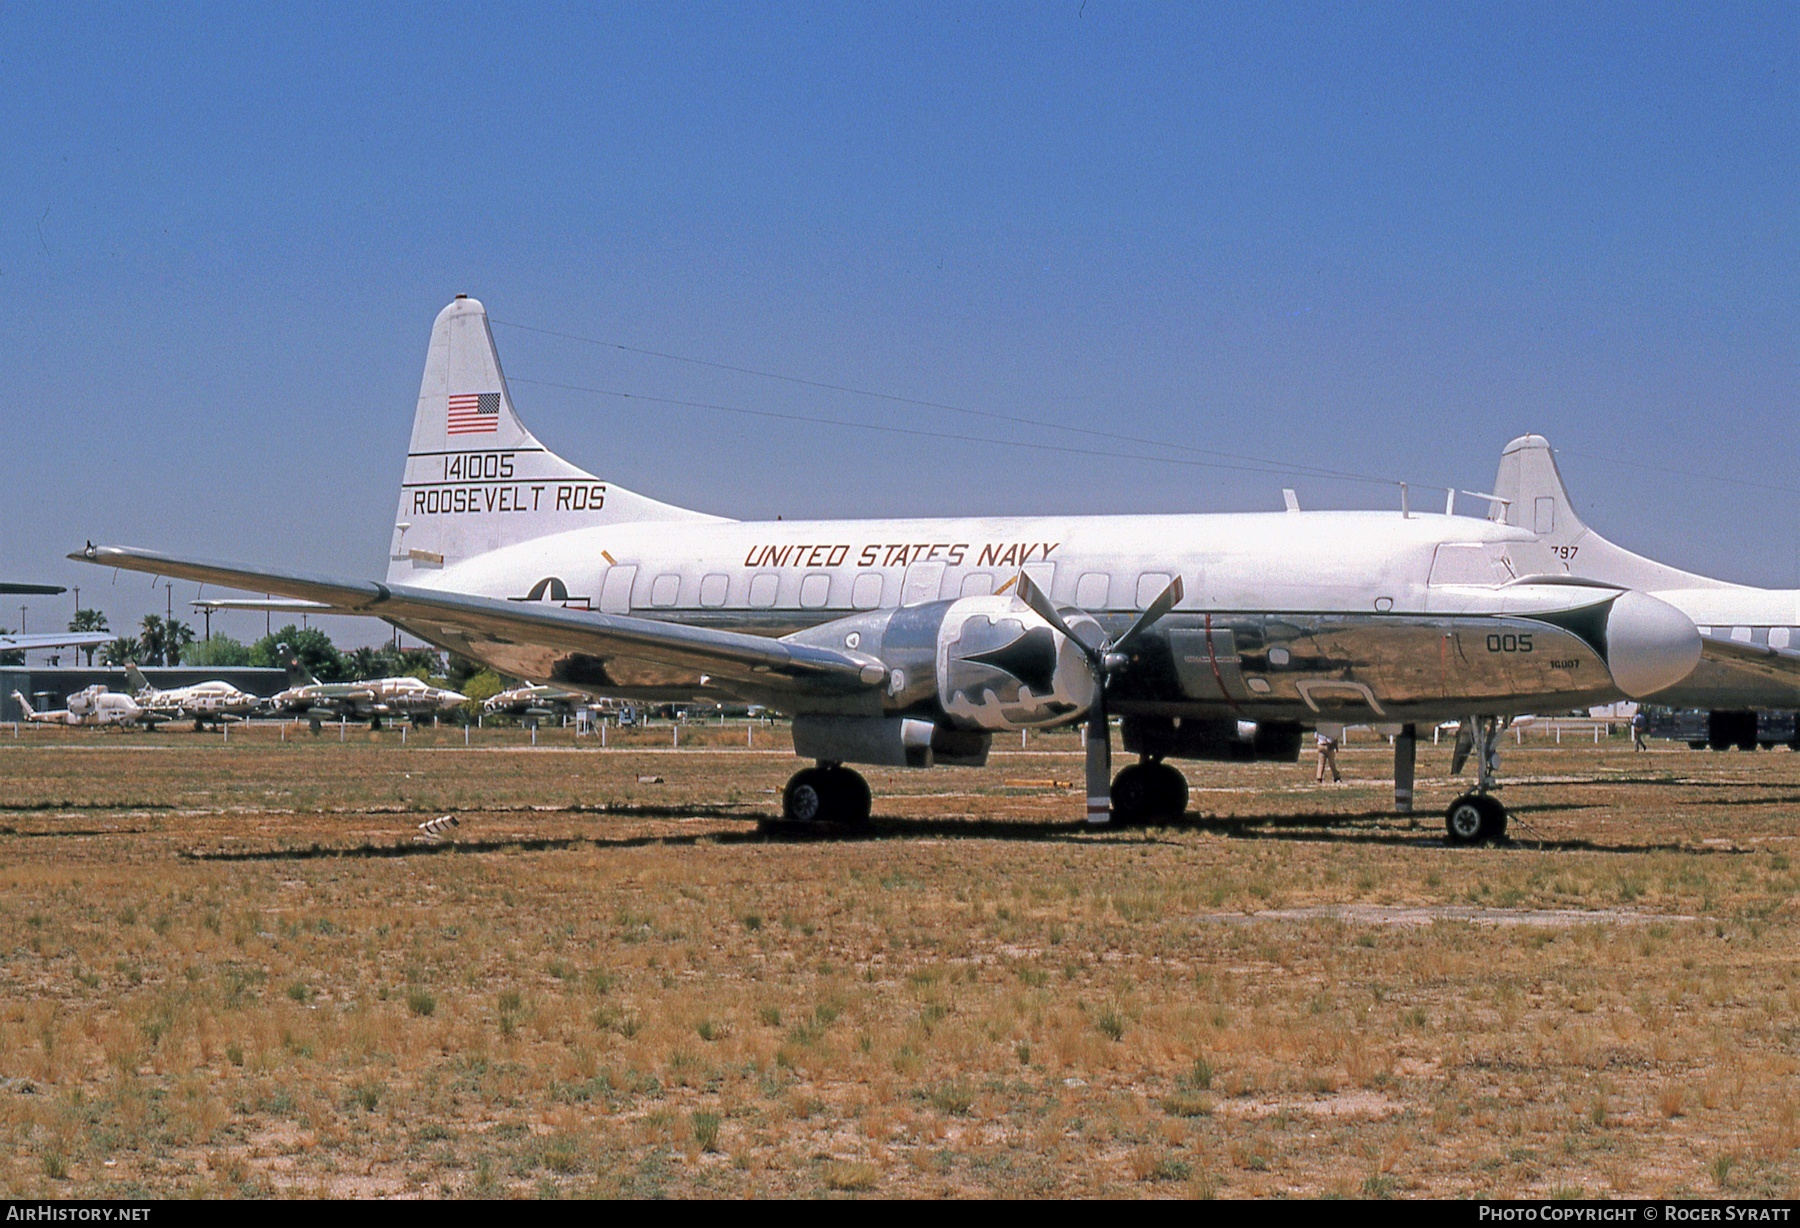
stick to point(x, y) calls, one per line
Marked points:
point(177, 635)
point(119, 651)
point(89, 620)
point(364, 662)
point(151, 639)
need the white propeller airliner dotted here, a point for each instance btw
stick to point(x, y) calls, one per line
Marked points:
point(913, 642)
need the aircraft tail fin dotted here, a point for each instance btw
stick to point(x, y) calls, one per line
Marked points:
point(134, 678)
point(476, 479)
point(25, 706)
point(1537, 500)
point(298, 674)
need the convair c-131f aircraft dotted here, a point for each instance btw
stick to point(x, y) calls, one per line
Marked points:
point(913, 642)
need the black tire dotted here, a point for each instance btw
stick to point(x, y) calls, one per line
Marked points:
point(1134, 795)
point(1172, 789)
point(807, 797)
point(1148, 793)
point(1696, 746)
point(826, 795)
point(1493, 823)
point(315, 727)
point(849, 796)
point(1466, 819)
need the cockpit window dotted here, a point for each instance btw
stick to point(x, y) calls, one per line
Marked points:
point(1482, 563)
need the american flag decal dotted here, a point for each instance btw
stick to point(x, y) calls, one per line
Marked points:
point(474, 413)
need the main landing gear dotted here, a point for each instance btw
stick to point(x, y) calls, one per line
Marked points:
point(1147, 792)
point(1477, 817)
point(830, 793)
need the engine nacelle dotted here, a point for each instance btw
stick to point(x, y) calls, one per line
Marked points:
point(1001, 666)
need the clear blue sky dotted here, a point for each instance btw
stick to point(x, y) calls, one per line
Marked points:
point(1380, 238)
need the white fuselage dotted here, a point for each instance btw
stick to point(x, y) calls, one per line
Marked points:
point(781, 575)
point(1381, 603)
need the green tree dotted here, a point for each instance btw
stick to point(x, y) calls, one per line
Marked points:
point(221, 649)
point(480, 688)
point(177, 635)
point(119, 651)
point(151, 640)
point(314, 648)
point(89, 620)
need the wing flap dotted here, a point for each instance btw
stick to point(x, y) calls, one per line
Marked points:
point(490, 629)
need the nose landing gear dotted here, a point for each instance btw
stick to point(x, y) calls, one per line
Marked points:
point(1477, 817)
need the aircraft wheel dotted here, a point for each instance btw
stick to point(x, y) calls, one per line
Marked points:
point(1133, 795)
point(851, 797)
point(803, 800)
point(1493, 819)
point(1696, 745)
point(1148, 792)
point(1174, 792)
point(316, 727)
point(1466, 818)
point(199, 726)
point(826, 795)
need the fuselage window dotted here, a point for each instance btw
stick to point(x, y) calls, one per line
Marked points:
point(977, 584)
point(815, 590)
point(1150, 587)
point(1781, 637)
point(713, 589)
point(1090, 590)
point(865, 594)
point(763, 589)
point(665, 591)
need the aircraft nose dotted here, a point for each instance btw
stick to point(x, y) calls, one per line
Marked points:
point(1650, 644)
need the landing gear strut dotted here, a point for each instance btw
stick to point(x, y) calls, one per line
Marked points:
point(1477, 817)
point(829, 793)
point(1148, 791)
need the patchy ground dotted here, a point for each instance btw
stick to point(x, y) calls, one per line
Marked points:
point(230, 969)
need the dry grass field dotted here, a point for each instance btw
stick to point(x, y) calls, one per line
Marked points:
point(230, 970)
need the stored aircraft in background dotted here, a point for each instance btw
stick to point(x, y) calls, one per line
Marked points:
point(1752, 635)
point(913, 642)
point(90, 706)
point(213, 702)
point(369, 700)
point(533, 704)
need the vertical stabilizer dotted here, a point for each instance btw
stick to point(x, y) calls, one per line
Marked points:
point(134, 678)
point(1537, 501)
point(476, 479)
point(297, 674)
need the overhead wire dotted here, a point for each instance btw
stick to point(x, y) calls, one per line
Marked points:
point(1262, 464)
point(1270, 467)
point(1240, 462)
point(1681, 473)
